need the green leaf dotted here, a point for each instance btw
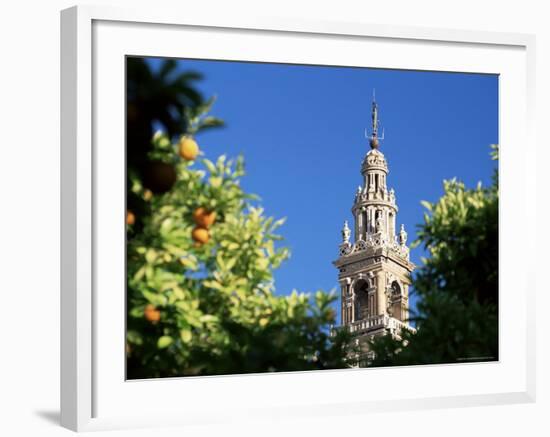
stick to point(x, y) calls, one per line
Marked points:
point(186, 335)
point(154, 298)
point(210, 166)
point(134, 337)
point(213, 284)
point(209, 122)
point(216, 182)
point(150, 255)
point(164, 341)
point(190, 262)
point(426, 205)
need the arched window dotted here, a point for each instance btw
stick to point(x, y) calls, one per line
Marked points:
point(361, 288)
point(395, 288)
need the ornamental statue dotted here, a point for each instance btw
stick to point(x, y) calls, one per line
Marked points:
point(379, 224)
point(346, 232)
point(402, 236)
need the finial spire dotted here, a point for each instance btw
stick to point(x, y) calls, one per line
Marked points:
point(374, 138)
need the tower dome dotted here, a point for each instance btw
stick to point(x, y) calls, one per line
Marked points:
point(374, 160)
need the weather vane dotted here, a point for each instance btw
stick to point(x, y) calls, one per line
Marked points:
point(374, 139)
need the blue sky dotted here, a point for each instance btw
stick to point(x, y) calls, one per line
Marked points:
point(301, 130)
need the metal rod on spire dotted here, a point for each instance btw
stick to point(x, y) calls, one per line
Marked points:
point(374, 138)
point(374, 119)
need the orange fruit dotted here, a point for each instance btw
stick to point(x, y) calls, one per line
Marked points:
point(130, 217)
point(204, 218)
point(200, 235)
point(147, 194)
point(188, 148)
point(151, 313)
point(159, 177)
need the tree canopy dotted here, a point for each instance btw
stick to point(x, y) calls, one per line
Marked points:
point(200, 260)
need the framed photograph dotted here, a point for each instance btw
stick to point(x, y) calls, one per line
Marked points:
point(281, 218)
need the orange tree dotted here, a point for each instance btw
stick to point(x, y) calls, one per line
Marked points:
point(200, 283)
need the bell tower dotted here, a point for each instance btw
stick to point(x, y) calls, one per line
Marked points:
point(374, 266)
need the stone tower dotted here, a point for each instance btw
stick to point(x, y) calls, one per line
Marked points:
point(374, 267)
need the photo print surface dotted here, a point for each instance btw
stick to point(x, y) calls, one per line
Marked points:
point(296, 217)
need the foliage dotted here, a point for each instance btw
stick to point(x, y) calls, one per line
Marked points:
point(457, 285)
point(217, 309)
point(163, 97)
point(166, 99)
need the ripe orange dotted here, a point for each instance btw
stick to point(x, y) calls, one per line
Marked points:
point(130, 217)
point(188, 148)
point(147, 194)
point(159, 177)
point(204, 218)
point(151, 313)
point(200, 235)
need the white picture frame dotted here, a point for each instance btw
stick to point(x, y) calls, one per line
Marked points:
point(94, 41)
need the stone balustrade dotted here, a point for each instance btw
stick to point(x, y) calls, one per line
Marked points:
point(380, 321)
